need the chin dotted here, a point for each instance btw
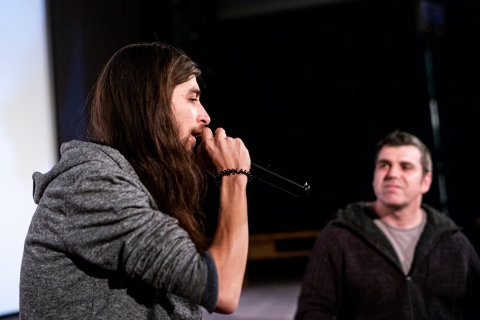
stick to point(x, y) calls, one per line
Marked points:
point(392, 202)
point(396, 205)
point(189, 144)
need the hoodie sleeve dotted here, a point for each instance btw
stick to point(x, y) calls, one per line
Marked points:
point(108, 220)
point(322, 283)
point(472, 294)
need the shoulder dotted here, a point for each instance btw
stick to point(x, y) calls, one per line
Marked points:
point(353, 216)
point(89, 172)
point(356, 213)
point(80, 152)
point(94, 161)
point(440, 225)
point(451, 235)
point(358, 218)
point(437, 219)
point(347, 225)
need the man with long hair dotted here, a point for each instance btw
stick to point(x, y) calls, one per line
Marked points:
point(118, 231)
point(395, 257)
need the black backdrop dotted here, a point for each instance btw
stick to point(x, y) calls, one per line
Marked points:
point(310, 91)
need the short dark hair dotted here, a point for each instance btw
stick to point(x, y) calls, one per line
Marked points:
point(401, 138)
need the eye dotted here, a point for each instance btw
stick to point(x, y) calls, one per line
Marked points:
point(382, 165)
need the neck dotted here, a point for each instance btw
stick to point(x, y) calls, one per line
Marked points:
point(399, 217)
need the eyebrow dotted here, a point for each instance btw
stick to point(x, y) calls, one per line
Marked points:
point(385, 161)
point(408, 163)
point(195, 90)
point(382, 161)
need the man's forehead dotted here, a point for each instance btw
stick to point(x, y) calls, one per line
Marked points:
point(400, 154)
point(189, 86)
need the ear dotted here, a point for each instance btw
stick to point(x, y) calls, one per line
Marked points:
point(426, 182)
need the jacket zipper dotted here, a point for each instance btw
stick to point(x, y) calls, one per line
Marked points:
point(409, 294)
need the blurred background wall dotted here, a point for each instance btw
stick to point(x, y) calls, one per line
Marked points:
point(310, 87)
point(27, 131)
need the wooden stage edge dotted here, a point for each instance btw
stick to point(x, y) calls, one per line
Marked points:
point(281, 245)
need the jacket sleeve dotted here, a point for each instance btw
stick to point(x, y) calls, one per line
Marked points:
point(322, 284)
point(471, 308)
point(109, 221)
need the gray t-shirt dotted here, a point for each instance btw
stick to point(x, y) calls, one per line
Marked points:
point(403, 241)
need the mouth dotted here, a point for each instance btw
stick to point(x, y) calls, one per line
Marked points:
point(196, 132)
point(392, 187)
point(194, 135)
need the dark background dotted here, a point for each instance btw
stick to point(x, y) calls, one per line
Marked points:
point(310, 88)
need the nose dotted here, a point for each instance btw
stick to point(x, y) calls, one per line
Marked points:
point(203, 116)
point(393, 171)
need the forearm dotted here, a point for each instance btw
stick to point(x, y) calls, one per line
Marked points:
point(230, 244)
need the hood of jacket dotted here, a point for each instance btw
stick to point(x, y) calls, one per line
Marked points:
point(358, 219)
point(74, 153)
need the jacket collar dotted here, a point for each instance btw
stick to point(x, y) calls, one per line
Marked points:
point(358, 218)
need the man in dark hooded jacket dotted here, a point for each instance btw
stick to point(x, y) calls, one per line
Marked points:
point(394, 258)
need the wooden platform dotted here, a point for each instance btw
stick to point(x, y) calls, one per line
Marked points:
point(281, 245)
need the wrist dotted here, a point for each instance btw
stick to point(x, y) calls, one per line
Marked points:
point(232, 172)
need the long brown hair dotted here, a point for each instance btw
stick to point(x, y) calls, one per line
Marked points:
point(131, 111)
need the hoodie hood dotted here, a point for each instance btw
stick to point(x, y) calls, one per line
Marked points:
point(359, 216)
point(74, 153)
point(358, 219)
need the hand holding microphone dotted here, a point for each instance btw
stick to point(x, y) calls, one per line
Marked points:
point(220, 152)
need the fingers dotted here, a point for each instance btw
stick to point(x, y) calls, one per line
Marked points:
point(202, 154)
point(221, 152)
point(220, 133)
point(207, 133)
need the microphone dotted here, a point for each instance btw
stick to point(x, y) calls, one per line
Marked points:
point(274, 179)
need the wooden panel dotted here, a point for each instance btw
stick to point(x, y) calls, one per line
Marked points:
point(281, 245)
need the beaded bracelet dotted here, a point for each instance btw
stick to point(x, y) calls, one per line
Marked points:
point(227, 172)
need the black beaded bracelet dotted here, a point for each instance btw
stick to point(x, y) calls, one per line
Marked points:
point(227, 172)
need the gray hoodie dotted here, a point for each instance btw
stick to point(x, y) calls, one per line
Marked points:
point(99, 248)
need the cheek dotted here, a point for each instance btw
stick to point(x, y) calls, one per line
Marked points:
point(194, 113)
point(193, 116)
point(376, 184)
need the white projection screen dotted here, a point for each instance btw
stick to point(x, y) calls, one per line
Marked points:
point(27, 135)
